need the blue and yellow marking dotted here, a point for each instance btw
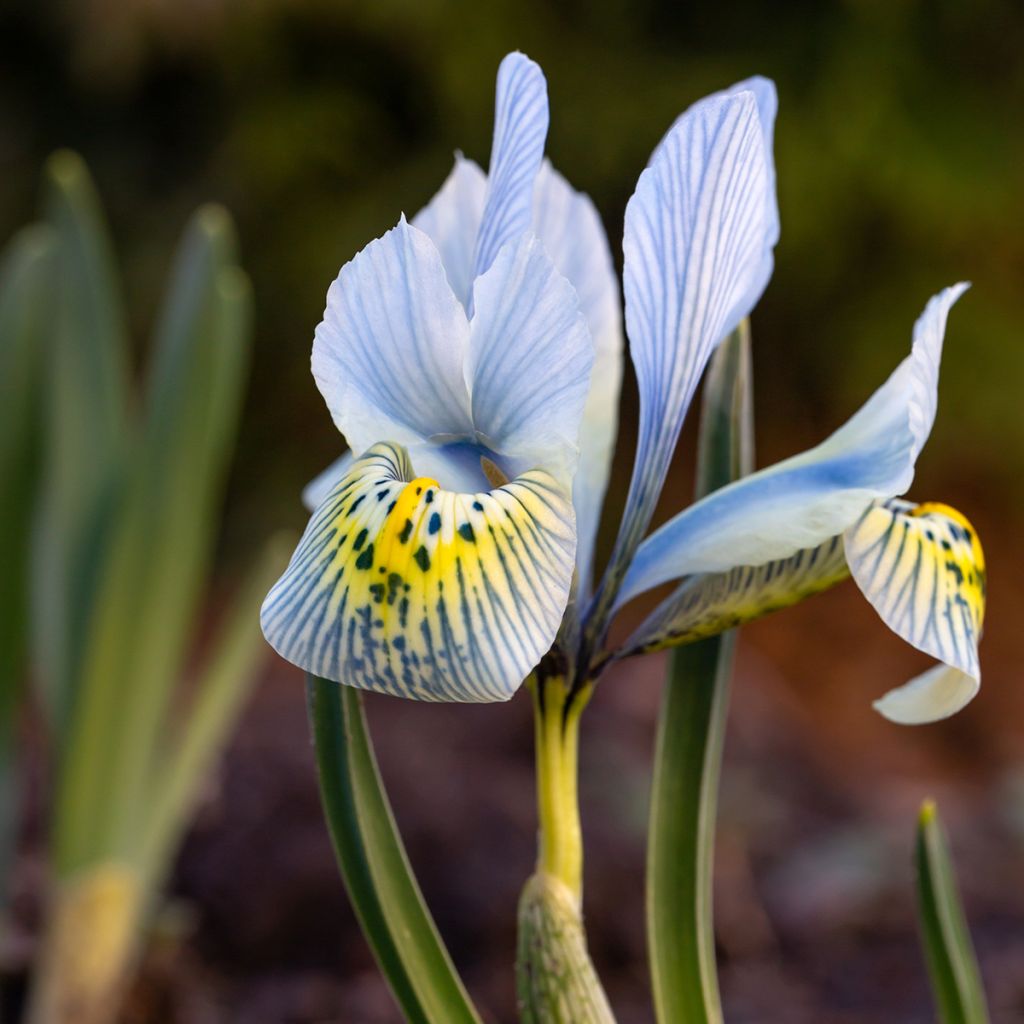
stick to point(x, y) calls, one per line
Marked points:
point(923, 569)
point(403, 587)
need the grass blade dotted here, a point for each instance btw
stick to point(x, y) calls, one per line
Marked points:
point(88, 414)
point(690, 737)
point(192, 408)
point(221, 690)
point(26, 275)
point(952, 965)
point(374, 864)
point(159, 553)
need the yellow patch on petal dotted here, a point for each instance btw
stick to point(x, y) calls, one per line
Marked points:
point(710, 603)
point(923, 570)
point(403, 587)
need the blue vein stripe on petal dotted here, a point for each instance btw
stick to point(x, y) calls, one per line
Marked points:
point(802, 501)
point(699, 233)
point(402, 587)
point(923, 570)
point(520, 130)
point(388, 355)
point(710, 603)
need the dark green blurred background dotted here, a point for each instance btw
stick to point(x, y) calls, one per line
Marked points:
point(900, 154)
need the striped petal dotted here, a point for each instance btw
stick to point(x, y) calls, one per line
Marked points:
point(767, 100)
point(711, 603)
point(568, 224)
point(401, 587)
point(388, 356)
point(921, 567)
point(923, 570)
point(452, 220)
point(520, 129)
point(698, 253)
point(529, 361)
point(806, 500)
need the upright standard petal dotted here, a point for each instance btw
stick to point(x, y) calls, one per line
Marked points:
point(767, 100)
point(805, 501)
point(923, 570)
point(404, 588)
point(698, 253)
point(520, 129)
point(568, 224)
point(452, 220)
point(529, 361)
point(388, 356)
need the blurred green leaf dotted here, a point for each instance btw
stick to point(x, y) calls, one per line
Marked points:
point(159, 550)
point(87, 429)
point(690, 735)
point(223, 685)
point(26, 279)
point(952, 965)
point(374, 865)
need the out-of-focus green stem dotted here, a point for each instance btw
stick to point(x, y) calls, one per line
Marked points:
point(691, 733)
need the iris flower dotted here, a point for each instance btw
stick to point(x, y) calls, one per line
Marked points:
point(472, 359)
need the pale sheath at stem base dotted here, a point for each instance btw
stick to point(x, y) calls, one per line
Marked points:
point(556, 981)
point(92, 944)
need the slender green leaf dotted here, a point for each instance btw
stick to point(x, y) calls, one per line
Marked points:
point(952, 965)
point(192, 410)
point(26, 277)
point(221, 690)
point(87, 430)
point(374, 864)
point(691, 732)
point(159, 552)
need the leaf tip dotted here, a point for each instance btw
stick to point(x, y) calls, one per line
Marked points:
point(214, 223)
point(929, 813)
point(66, 168)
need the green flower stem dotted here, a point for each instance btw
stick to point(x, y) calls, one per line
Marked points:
point(556, 728)
point(555, 979)
point(690, 738)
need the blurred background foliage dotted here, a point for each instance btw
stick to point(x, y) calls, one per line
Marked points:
point(899, 149)
point(900, 153)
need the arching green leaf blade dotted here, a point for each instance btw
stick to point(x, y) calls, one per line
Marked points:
point(26, 276)
point(373, 862)
point(952, 965)
point(88, 420)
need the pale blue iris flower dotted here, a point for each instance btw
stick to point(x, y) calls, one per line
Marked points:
point(472, 360)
